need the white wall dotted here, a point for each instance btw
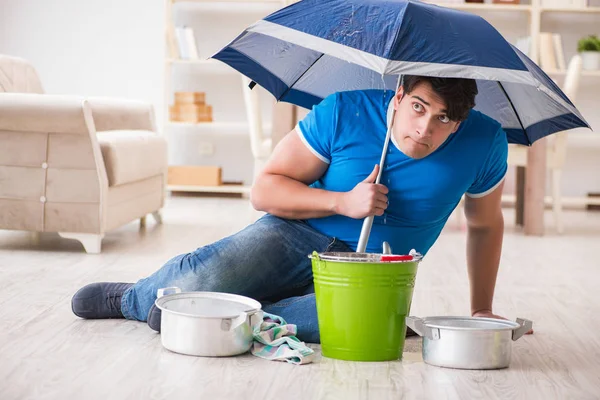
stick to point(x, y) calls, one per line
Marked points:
point(91, 47)
point(115, 48)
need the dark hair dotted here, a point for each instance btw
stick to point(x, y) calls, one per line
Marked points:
point(458, 93)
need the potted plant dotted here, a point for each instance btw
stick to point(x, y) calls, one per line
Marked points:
point(589, 47)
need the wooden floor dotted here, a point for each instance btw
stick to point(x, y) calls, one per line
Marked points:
point(48, 353)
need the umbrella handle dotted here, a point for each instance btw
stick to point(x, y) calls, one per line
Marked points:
point(365, 232)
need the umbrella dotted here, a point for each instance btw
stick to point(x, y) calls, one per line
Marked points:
point(313, 48)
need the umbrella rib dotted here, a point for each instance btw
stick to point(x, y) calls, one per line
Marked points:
point(514, 109)
point(300, 77)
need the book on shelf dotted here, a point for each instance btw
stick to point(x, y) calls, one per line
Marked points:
point(524, 45)
point(558, 49)
point(186, 43)
point(551, 52)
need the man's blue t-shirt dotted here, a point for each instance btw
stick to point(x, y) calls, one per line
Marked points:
point(347, 130)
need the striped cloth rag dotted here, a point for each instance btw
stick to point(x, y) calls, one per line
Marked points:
point(276, 340)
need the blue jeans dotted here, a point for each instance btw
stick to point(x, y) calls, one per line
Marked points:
point(267, 261)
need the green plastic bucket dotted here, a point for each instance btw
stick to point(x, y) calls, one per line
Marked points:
point(362, 304)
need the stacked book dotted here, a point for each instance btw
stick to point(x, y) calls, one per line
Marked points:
point(551, 52)
point(190, 107)
point(182, 43)
point(552, 57)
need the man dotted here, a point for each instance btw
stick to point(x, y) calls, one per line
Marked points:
point(317, 188)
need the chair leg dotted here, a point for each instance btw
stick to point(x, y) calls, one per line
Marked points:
point(143, 222)
point(557, 200)
point(92, 242)
point(157, 217)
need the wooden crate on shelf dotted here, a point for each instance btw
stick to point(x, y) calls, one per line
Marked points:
point(194, 175)
point(190, 113)
point(190, 107)
point(190, 98)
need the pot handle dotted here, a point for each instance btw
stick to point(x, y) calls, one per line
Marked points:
point(232, 324)
point(525, 326)
point(417, 325)
point(170, 290)
point(256, 319)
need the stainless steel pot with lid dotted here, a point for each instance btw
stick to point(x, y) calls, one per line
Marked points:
point(468, 342)
point(207, 324)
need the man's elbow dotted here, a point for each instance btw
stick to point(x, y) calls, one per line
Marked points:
point(257, 194)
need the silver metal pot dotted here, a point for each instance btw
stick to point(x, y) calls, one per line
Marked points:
point(468, 342)
point(207, 323)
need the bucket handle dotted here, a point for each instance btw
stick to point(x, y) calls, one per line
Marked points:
point(418, 325)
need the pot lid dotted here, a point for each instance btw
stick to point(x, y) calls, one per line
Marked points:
point(470, 323)
point(207, 304)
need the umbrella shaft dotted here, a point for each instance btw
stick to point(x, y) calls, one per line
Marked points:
point(365, 232)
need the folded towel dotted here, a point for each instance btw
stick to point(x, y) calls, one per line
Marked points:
point(276, 340)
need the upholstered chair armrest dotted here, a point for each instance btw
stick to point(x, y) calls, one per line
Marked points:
point(30, 112)
point(117, 114)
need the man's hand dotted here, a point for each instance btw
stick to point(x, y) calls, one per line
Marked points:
point(490, 314)
point(367, 198)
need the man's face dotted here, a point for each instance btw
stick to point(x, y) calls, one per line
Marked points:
point(421, 124)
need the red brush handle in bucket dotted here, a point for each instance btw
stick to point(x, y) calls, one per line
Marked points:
point(392, 257)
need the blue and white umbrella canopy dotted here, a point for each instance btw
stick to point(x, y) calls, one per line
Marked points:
point(313, 48)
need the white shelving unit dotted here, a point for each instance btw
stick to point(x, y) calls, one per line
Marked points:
point(209, 66)
point(539, 17)
point(245, 190)
point(219, 128)
point(591, 74)
point(484, 6)
point(581, 10)
point(536, 13)
point(225, 10)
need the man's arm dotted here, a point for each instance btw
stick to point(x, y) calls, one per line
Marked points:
point(485, 229)
point(282, 187)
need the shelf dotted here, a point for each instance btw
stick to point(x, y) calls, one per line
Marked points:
point(219, 128)
point(571, 9)
point(234, 6)
point(208, 66)
point(484, 7)
point(210, 189)
point(230, 1)
point(583, 73)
